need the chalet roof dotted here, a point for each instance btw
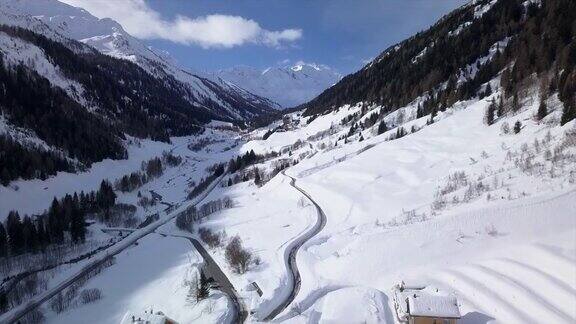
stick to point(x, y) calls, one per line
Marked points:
point(422, 303)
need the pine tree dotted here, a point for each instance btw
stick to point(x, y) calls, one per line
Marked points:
point(15, 234)
point(568, 114)
point(55, 226)
point(257, 179)
point(489, 115)
point(501, 107)
point(77, 226)
point(29, 234)
point(42, 235)
point(105, 197)
point(382, 128)
point(203, 289)
point(517, 127)
point(3, 241)
point(542, 110)
point(488, 91)
point(433, 113)
point(515, 103)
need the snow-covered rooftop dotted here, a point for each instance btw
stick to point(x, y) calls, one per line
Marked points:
point(428, 305)
point(425, 302)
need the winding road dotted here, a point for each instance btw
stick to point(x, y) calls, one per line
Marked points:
point(292, 250)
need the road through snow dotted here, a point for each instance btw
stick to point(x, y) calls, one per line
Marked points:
point(17, 313)
point(213, 271)
point(292, 250)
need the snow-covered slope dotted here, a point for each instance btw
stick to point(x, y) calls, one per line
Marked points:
point(108, 37)
point(289, 86)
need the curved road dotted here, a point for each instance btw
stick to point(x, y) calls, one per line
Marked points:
point(293, 250)
point(213, 271)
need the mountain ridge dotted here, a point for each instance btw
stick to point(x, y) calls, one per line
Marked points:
point(108, 37)
point(288, 85)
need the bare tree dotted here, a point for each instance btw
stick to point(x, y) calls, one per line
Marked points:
point(238, 257)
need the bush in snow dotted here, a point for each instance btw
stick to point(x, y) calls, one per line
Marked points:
point(505, 128)
point(491, 230)
point(90, 295)
point(35, 316)
point(237, 256)
point(212, 239)
point(57, 303)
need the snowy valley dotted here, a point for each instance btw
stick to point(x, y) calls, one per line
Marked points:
point(463, 190)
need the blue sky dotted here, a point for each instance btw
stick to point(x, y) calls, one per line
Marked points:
point(214, 34)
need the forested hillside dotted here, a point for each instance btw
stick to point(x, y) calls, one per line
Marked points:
point(86, 124)
point(451, 60)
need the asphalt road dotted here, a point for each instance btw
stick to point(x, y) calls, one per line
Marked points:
point(212, 270)
point(293, 250)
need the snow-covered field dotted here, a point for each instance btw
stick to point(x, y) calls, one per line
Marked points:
point(481, 214)
point(505, 247)
point(149, 276)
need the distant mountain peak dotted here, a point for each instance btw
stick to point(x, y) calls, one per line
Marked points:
point(299, 66)
point(109, 37)
point(288, 85)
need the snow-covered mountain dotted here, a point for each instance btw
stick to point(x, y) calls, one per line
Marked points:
point(458, 190)
point(107, 36)
point(289, 85)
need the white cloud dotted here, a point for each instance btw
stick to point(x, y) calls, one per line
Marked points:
point(209, 31)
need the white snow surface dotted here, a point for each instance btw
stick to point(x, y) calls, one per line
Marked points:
point(432, 304)
point(149, 276)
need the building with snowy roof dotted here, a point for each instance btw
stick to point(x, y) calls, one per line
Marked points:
point(148, 317)
point(425, 305)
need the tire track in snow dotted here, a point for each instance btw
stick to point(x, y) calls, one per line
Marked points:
point(292, 250)
point(521, 294)
point(536, 275)
point(483, 296)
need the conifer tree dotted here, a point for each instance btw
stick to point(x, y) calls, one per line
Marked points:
point(515, 103)
point(29, 235)
point(15, 233)
point(542, 110)
point(489, 115)
point(257, 179)
point(55, 226)
point(517, 127)
point(382, 128)
point(3, 241)
point(501, 107)
point(203, 289)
